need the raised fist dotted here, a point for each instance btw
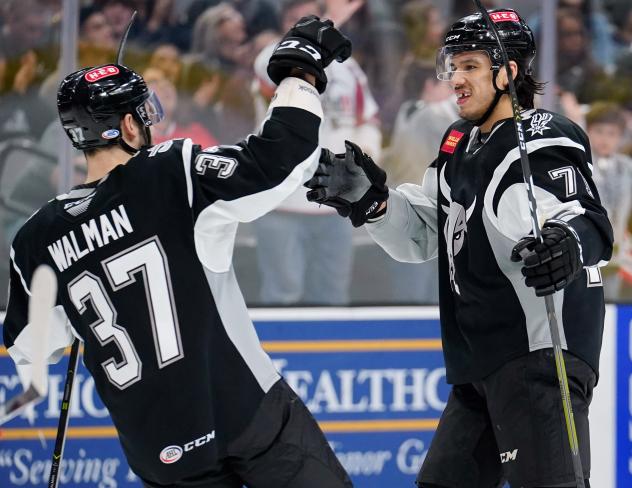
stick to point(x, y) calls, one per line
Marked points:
point(311, 45)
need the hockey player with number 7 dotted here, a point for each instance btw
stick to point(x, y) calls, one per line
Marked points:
point(142, 252)
point(503, 420)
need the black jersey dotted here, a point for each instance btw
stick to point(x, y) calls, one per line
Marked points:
point(143, 259)
point(472, 209)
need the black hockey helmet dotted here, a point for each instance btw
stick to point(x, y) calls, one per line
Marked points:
point(472, 33)
point(92, 101)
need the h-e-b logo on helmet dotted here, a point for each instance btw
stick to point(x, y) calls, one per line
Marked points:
point(100, 73)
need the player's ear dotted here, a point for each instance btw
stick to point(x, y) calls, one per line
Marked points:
point(502, 74)
point(514, 69)
point(129, 128)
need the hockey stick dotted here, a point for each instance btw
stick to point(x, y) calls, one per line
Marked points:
point(537, 232)
point(121, 49)
point(63, 417)
point(43, 296)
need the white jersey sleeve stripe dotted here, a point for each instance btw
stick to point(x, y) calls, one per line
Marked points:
point(409, 232)
point(234, 316)
point(18, 271)
point(513, 156)
point(535, 314)
point(187, 148)
point(216, 225)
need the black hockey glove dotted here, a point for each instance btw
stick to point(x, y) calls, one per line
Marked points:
point(311, 45)
point(552, 264)
point(351, 183)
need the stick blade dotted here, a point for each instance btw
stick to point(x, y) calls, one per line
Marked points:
point(41, 304)
point(18, 404)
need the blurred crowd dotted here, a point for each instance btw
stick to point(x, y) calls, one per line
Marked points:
point(206, 60)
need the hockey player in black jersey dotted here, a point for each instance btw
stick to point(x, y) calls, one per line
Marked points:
point(142, 253)
point(503, 420)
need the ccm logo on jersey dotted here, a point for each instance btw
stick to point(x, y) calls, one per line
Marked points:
point(172, 454)
point(100, 73)
point(504, 17)
point(449, 145)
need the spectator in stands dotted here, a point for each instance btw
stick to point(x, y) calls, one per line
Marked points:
point(96, 45)
point(622, 20)
point(161, 22)
point(186, 14)
point(259, 15)
point(27, 56)
point(219, 36)
point(166, 58)
point(168, 21)
point(424, 27)
point(597, 28)
point(195, 89)
point(170, 127)
point(296, 264)
point(576, 70)
point(379, 45)
point(220, 47)
point(420, 125)
point(612, 173)
point(622, 95)
point(118, 14)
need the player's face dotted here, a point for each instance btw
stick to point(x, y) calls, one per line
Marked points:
point(472, 83)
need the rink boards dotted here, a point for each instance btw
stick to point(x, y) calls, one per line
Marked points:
point(373, 377)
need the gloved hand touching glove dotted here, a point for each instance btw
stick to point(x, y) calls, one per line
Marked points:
point(351, 183)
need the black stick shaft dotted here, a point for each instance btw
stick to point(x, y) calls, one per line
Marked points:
point(62, 426)
point(121, 49)
point(537, 232)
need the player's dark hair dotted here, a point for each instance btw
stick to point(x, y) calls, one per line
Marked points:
point(88, 153)
point(527, 87)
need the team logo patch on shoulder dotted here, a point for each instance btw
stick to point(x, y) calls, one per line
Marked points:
point(539, 123)
point(449, 145)
point(504, 17)
point(100, 73)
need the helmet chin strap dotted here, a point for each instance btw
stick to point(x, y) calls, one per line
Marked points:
point(148, 141)
point(492, 106)
point(127, 148)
